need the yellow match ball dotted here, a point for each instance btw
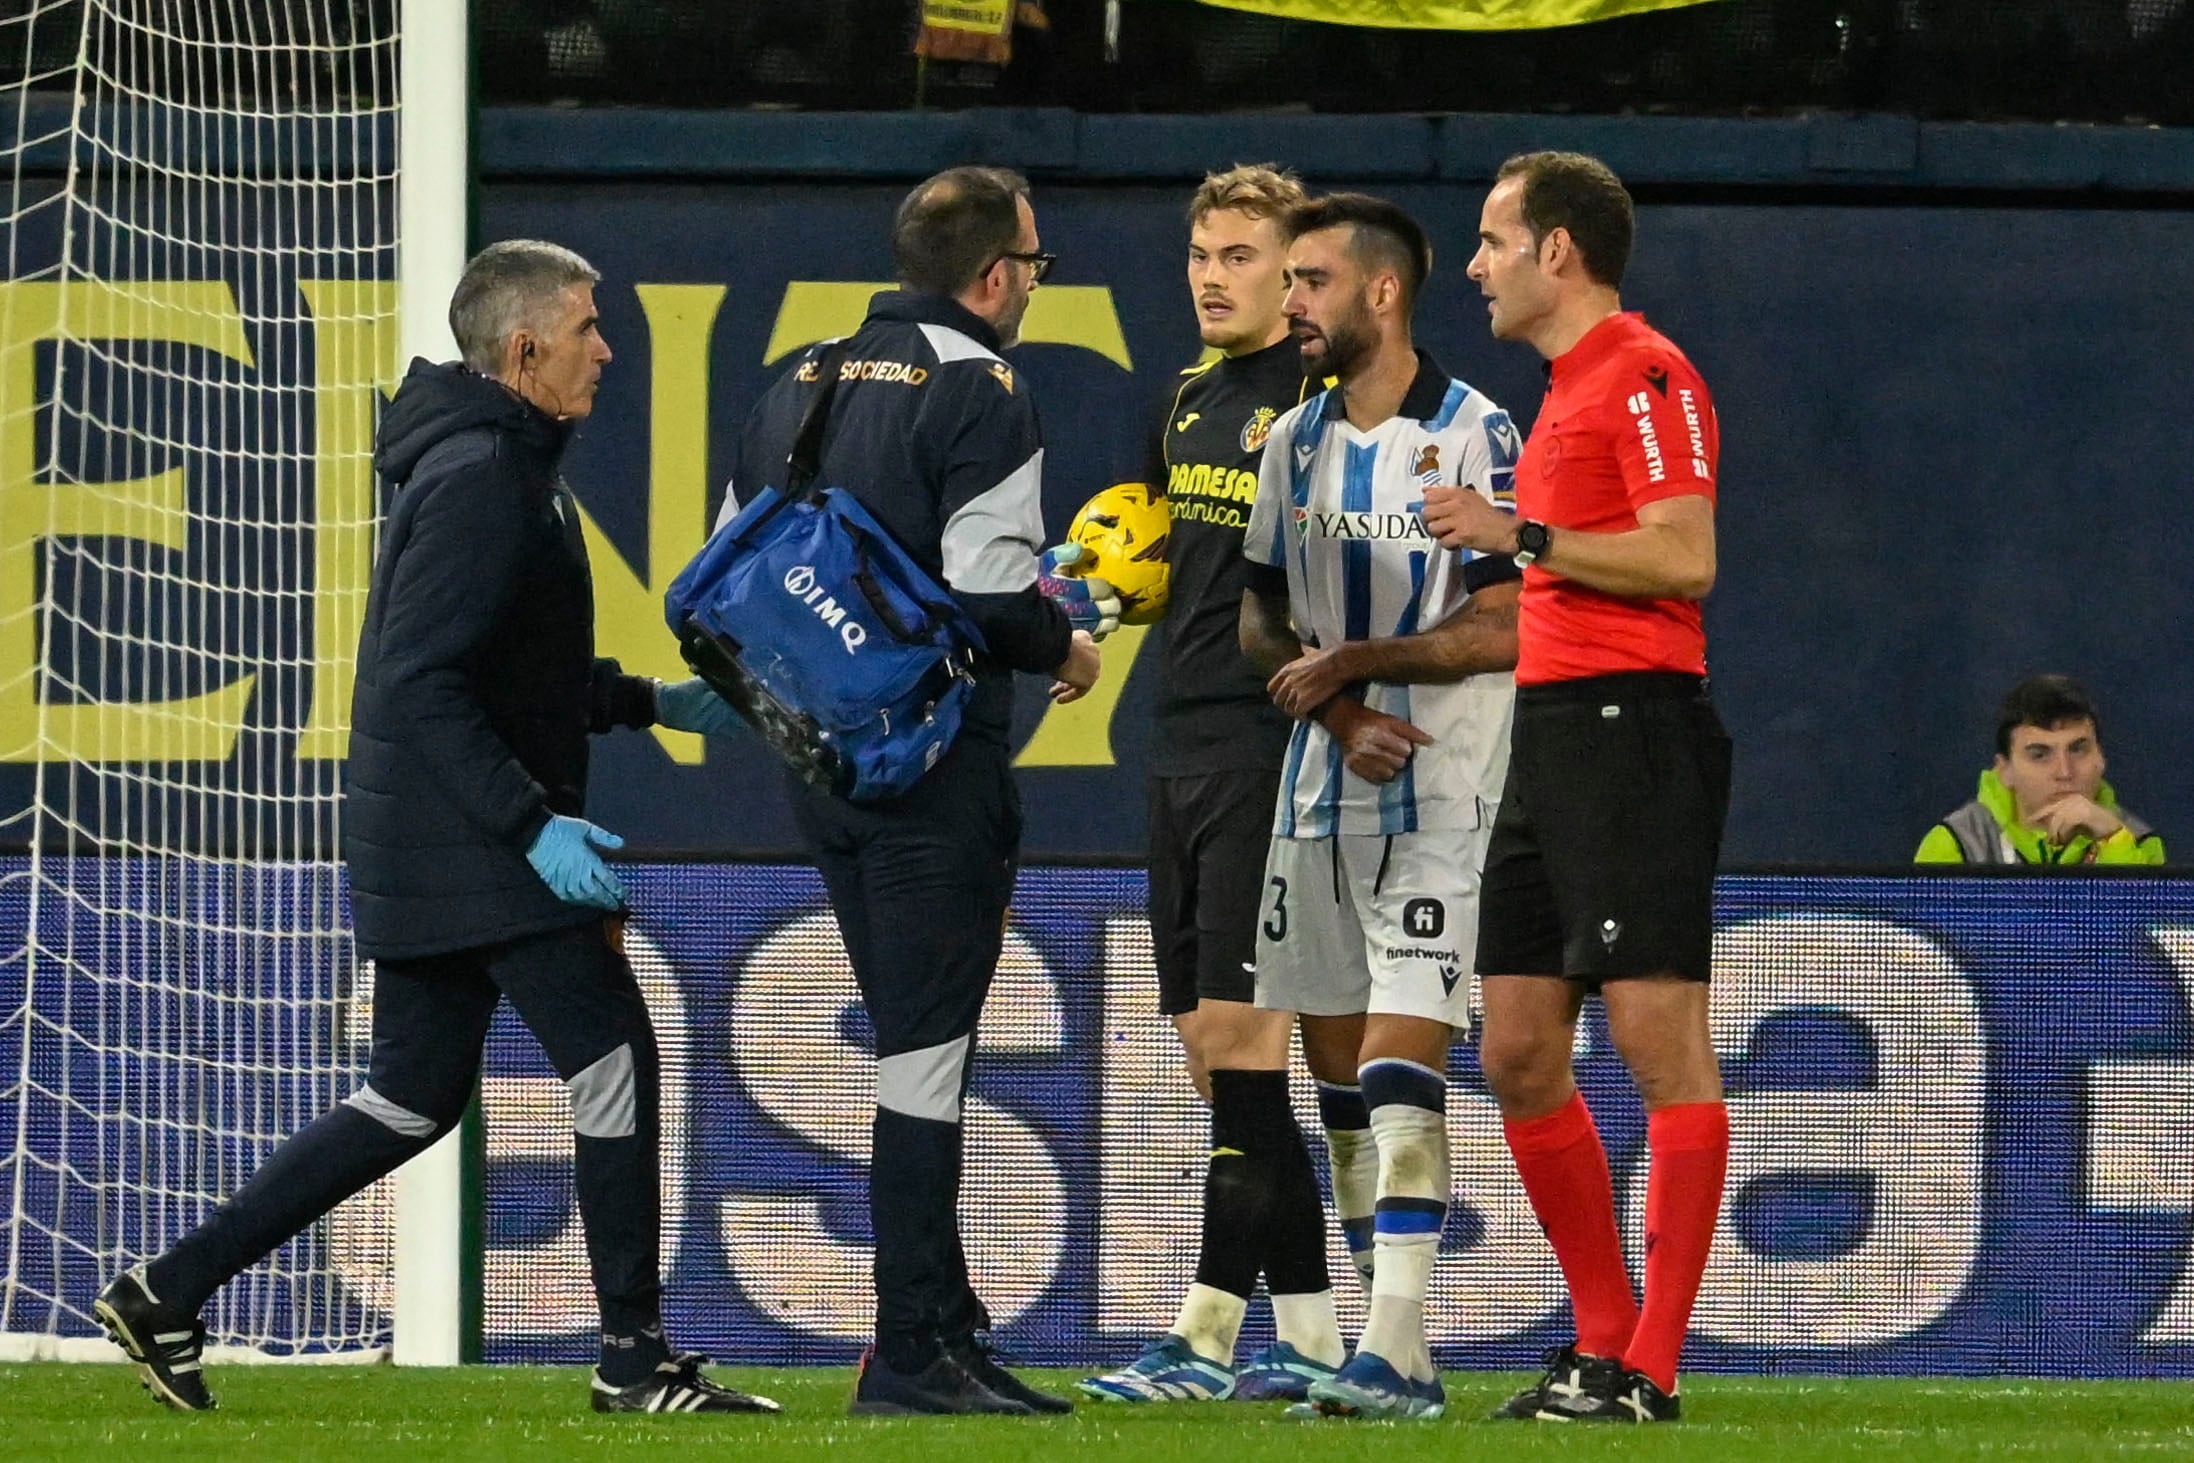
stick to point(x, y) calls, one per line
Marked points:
point(1122, 532)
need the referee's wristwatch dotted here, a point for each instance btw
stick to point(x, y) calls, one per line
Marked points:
point(1532, 538)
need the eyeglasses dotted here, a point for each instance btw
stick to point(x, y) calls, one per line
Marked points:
point(1039, 264)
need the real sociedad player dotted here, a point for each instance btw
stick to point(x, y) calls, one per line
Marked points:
point(1397, 656)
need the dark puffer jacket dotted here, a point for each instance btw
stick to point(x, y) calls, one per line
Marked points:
point(477, 679)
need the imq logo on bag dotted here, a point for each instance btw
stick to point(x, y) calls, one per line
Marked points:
point(800, 584)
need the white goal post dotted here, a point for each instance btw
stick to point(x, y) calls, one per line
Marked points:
point(434, 194)
point(223, 238)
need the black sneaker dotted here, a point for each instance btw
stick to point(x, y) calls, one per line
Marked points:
point(1568, 1372)
point(166, 1344)
point(941, 1388)
point(981, 1360)
point(678, 1385)
point(1623, 1397)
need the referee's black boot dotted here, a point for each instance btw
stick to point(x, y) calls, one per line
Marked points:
point(166, 1344)
point(1615, 1396)
point(1568, 1372)
point(979, 1359)
point(942, 1388)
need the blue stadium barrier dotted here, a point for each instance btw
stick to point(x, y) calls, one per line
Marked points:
point(1957, 1107)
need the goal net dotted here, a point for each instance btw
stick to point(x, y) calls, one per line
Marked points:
point(195, 317)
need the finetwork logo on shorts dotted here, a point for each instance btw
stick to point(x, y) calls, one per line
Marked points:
point(1424, 919)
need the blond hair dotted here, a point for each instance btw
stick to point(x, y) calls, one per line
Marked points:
point(1254, 190)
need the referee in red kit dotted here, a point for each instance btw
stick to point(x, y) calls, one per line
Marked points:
point(1600, 872)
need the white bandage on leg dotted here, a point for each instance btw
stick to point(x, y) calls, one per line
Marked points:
point(1408, 1106)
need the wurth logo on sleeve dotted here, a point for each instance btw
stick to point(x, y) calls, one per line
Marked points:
point(1690, 405)
point(1641, 407)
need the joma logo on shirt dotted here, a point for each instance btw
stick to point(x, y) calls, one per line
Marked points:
point(1360, 525)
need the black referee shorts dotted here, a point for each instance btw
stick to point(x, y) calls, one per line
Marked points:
point(1601, 864)
point(1209, 834)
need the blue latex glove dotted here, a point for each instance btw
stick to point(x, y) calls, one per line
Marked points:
point(563, 855)
point(1088, 601)
point(692, 705)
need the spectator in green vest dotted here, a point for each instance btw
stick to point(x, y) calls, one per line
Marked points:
point(2045, 801)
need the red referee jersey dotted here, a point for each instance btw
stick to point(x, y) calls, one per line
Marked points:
point(1626, 422)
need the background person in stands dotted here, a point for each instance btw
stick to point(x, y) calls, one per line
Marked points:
point(2044, 801)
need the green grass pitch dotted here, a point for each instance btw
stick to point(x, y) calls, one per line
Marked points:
point(485, 1414)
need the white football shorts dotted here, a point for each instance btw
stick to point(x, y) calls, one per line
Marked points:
point(1363, 922)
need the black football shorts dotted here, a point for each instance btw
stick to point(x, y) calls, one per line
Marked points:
point(1208, 837)
point(1601, 864)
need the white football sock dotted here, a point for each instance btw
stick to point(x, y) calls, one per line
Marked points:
point(1308, 1323)
point(1209, 1322)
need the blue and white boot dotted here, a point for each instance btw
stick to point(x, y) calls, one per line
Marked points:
point(1369, 1387)
point(1167, 1371)
point(1279, 1373)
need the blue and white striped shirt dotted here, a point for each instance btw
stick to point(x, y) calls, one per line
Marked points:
point(1341, 511)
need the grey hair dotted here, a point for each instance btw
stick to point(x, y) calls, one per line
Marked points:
point(507, 286)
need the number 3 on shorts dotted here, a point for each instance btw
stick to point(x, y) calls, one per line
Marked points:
point(1276, 924)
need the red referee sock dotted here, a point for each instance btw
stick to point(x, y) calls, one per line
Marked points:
point(1690, 1147)
point(1564, 1169)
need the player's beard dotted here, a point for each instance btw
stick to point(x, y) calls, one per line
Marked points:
point(1348, 341)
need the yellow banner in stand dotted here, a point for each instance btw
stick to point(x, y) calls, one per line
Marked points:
point(986, 17)
point(1438, 14)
